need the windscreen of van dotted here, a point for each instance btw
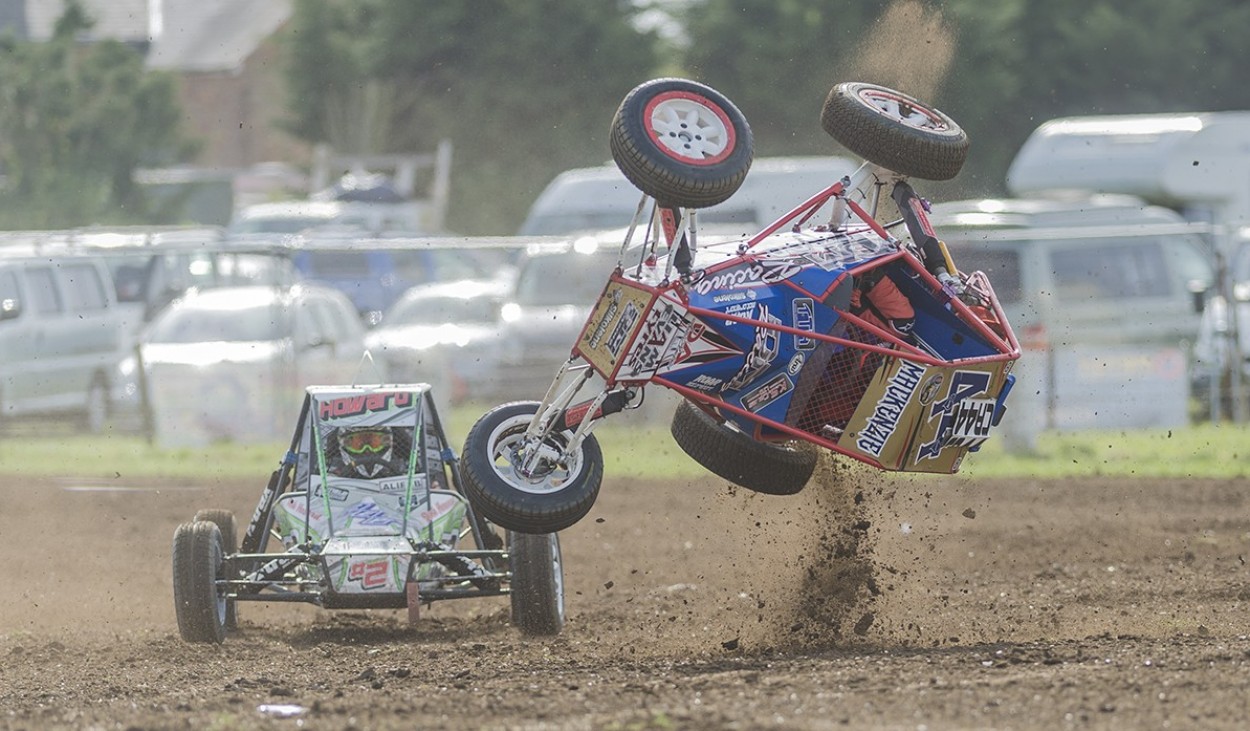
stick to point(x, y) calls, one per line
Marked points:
point(1113, 269)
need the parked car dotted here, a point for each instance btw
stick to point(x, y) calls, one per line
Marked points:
point(61, 336)
point(228, 363)
point(1099, 291)
point(444, 332)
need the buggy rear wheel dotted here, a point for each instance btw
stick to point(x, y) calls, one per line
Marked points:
point(896, 131)
point(524, 486)
point(198, 602)
point(771, 469)
point(224, 520)
point(537, 591)
point(681, 142)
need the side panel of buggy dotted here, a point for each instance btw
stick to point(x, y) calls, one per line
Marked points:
point(768, 342)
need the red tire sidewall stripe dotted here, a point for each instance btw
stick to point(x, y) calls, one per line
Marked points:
point(702, 101)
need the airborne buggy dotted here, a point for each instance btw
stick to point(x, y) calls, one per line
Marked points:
point(365, 511)
point(767, 338)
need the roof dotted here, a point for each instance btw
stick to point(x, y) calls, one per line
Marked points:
point(213, 36)
point(184, 35)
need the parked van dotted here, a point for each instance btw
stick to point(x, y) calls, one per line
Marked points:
point(61, 336)
point(1100, 292)
point(595, 199)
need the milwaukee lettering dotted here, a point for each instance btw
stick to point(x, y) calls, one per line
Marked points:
point(889, 408)
point(355, 405)
point(748, 275)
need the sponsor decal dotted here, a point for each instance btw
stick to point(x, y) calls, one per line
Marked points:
point(803, 316)
point(762, 354)
point(367, 512)
point(659, 342)
point(796, 364)
point(929, 391)
point(730, 297)
point(609, 313)
point(773, 389)
point(834, 252)
point(338, 494)
point(889, 408)
point(746, 309)
point(622, 329)
point(400, 484)
point(337, 408)
point(747, 275)
point(705, 383)
point(917, 207)
point(370, 574)
point(965, 421)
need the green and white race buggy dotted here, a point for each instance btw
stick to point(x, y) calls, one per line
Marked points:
point(365, 511)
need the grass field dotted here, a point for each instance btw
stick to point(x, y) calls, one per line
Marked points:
point(646, 450)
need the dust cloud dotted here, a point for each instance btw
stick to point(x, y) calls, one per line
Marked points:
point(909, 48)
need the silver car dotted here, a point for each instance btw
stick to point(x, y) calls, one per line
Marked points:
point(231, 363)
point(446, 335)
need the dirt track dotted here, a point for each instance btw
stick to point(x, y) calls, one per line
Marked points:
point(932, 603)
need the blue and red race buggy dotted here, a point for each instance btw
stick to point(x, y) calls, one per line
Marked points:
point(365, 512)
point(773, 340)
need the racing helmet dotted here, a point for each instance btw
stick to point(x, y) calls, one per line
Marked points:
point(371, 452)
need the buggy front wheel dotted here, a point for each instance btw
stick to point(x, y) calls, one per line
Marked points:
point(224, 520)
point(528, 485)
point(537, 590)
point(199, 603)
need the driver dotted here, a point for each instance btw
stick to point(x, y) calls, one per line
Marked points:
point(368, 452)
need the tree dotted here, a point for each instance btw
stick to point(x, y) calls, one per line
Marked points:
point(523, 88)
point(75, 122)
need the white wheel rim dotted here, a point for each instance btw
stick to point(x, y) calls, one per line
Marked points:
point(689, 129)
point(507, 442)
point(902, 110)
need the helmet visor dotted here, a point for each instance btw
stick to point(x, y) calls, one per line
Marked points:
point(366, 441)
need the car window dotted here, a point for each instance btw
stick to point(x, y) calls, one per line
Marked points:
point(1132, 268)
point(84, 291)
point(45, 297)
point(128, 273)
